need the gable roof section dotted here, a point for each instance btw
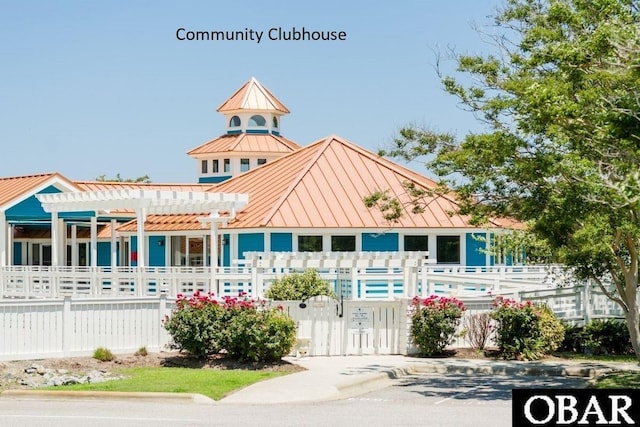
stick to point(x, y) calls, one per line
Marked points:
point(252, 96)
point(246, 143)
point(323, 185)
point(15, 189)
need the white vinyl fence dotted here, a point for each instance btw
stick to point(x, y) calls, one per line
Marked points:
point(33, 329)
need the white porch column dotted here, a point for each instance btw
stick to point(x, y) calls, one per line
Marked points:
point(74, 245)
point(55, 238)
point(114, 245)
point(142, 216)
point(94, 241)
point(205, 248)
point(4, 259)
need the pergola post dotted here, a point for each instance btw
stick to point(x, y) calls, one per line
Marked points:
point(114, 245)
point(74, 245)
point(94, 241)
point(3, 240)
point(215, 286)
point(55, 239)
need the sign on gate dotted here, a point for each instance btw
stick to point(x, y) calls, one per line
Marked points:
point(360, 318)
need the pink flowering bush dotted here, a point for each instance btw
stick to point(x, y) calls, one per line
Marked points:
point(525, 331)
point(243, 328)
point(434, 321)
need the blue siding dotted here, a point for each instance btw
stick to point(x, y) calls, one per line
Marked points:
point(212, 179)
point(281, 242)
point(157, 251)
point(17, 253)
point(104, 254)
point(250, 242)
point(30, 208)
point(226, 251)
point(383, 242)
point(133, 247)
point(476, 254)
point(257, 131)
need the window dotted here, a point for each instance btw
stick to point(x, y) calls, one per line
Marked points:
point(448, 249)
point(257, 121)
point(234, 122)
point(203, 168)
point(310, 243)
point(215, 166)
point(262, 161)
point(227, 165)
point(416, 243)
point(275, 122)
point(343, 243)
point(244, 165)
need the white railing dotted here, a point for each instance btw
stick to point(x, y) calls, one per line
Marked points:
point(356, 283)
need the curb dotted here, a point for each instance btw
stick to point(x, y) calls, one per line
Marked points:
point(104, 395)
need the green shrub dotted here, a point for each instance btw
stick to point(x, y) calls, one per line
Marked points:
point(196, 324)
point(525, 331)
point(203, 325)
point(434, 321)
point(259, 335)
point(142, 352)
point(299, 287)
point(551, 330)
point(573, 339)
point(518, 334)
point(103, 354)
point(609, 336)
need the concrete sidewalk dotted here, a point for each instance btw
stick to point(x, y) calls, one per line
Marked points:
point(337, 377)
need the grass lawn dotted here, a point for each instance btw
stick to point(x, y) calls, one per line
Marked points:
point(627, 379)
point(209, 382)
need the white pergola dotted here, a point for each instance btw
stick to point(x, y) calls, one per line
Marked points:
point(143, 203)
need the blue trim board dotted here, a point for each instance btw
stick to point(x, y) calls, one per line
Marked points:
point(212, 179)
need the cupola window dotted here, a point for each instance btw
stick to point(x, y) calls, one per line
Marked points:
point(275, 123)
point(234, 122)
point(257, 121)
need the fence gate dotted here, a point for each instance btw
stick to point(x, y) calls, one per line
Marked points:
point(331, 327)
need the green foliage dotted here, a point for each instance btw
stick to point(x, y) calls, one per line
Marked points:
point(141, 179)
point(551, 330)
point(559, 102)
point(103, 354)
point(299, 287)
point(204, 325)
point(608, 336)
point(142, 352)
point(525, 331)
point(196, 325)
point(598, 338)
point(434, 321)
point(253, 335)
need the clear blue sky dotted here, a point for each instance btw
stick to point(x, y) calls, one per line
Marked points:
point(92, 88)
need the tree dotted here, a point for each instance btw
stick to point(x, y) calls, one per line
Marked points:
point(560, 102)
point(141, 179)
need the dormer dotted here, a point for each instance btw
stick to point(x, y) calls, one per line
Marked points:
point(253, 109)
